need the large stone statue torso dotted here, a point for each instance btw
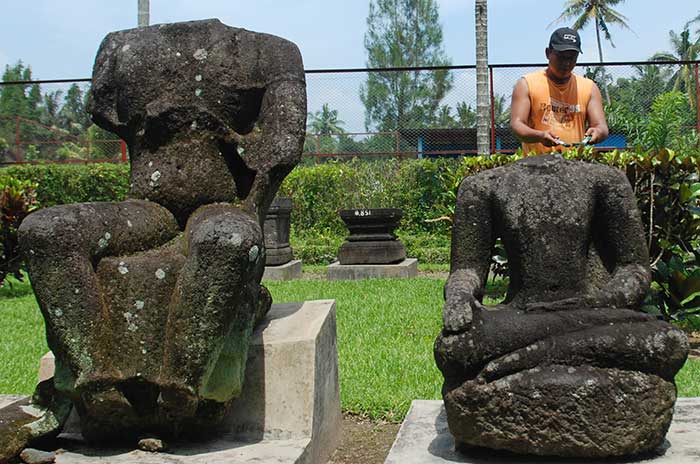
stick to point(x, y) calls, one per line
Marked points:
point(569, 326)
point(150, 303)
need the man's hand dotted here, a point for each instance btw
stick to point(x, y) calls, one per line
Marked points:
point(596, 134)
point(458, 310)
point(549, 139)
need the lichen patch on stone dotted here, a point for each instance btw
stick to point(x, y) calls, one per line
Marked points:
point(160, 274)
point(139, 304)
point(200, 54)
point(122, 268)
point(253, 253)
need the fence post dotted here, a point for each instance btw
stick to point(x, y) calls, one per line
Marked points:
point(123, 151)
point(396, 136)
point(18, 141)
point(697, 98)
point(493, 111)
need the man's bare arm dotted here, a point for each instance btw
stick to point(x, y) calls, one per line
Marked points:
point(597, 125)
point(520, 114)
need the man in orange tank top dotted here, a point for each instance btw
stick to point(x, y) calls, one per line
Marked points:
point(555, 105)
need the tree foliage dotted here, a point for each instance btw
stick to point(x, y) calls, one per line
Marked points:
point(404, 33)
point(602, 14)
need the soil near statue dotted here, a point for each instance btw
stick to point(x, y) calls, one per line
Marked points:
point(364, 441)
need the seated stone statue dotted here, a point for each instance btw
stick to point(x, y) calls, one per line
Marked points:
point(567, 365)
point(149, 303)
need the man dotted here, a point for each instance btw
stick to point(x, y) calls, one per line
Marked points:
point(555, 106)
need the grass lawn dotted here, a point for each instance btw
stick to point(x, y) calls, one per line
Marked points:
point(386, 330)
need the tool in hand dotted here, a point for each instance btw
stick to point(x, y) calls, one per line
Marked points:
point(583, 142)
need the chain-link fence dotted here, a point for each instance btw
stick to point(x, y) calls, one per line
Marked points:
point(407, 112)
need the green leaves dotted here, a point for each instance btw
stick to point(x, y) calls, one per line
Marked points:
point(17, 199)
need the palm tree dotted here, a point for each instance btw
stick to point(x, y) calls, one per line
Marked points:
point(501, 111)
point(143, 13)
point(599, 11)
point(482, 79)
point(325, 121)
point(683, 50)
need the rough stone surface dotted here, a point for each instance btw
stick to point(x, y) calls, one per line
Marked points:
point(288, 412)
point(277, 223)
point(424, 438)
point(567, 365)
point(406, 269)
point(154, 445)
point(27, 420)
point(288, 271)
point(149, 303)
point(35, 456)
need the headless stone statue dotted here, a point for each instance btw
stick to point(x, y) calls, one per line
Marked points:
point(149, 303)
point(567, 365)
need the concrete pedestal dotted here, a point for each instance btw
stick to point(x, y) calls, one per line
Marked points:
point(425, 439)
point(405, 269)
point(286, 271)
point(288, 412)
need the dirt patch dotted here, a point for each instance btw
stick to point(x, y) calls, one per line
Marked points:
point(694, 341)
point(363, 441)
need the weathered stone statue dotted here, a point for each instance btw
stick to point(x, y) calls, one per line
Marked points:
point(567, 365)
point(149, 302)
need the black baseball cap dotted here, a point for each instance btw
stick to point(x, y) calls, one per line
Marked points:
point(564, 39)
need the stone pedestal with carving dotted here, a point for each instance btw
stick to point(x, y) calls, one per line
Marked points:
point(276, 231)
point(372, 250)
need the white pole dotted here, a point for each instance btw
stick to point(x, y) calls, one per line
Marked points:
point(143, 13)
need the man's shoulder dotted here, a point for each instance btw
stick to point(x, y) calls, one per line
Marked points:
point(583, 79)
point(539, 74)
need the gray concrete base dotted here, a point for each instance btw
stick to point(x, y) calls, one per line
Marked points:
point(288, 412)
point(286, 271)
point(405, 269)
point(425, 439)
point(6, 400)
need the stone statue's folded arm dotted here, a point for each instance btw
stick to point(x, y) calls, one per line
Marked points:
point(624, 251)
point(472, 241)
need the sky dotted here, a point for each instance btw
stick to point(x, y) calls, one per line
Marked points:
point(59, 39)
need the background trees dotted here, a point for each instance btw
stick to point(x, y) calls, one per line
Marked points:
point(404, 33)
point(602, 14)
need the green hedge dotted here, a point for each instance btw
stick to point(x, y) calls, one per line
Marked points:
point(424, 189)
point(73, 183)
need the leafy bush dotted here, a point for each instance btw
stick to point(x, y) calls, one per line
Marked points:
point(319, 191)
point(61, 184)
point(17, 199)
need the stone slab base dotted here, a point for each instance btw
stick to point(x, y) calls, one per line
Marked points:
point(425, 439)
point(286, 271)
point(405, 269)
point(6, 400)
point(288, 412)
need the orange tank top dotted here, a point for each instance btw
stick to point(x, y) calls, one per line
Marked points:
point(560, 108)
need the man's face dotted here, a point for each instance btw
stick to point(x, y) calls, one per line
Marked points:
point(561, 64)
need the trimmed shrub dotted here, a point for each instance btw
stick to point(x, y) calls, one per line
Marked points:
point(59, 184)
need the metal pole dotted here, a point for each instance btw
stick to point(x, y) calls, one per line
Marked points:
point(17, 139)
point(493, 112)
point(144, 15)
point(697, 97)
